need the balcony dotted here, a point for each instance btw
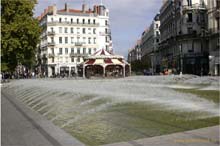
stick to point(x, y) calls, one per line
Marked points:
point(51, 44)
point(55, 23)
point(51, 55)
point(194, 7)
point(78, 55)
point(79, 43)
point(217, 13)
point(51, 33)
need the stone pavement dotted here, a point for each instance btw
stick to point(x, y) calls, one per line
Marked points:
point(200, 137)
point(23, 127)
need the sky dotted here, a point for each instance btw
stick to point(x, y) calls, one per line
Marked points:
point(128, 18)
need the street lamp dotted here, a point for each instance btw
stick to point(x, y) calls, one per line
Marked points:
point(181, 60)
point(152, 63)
point(58, 67)
point(211, 64)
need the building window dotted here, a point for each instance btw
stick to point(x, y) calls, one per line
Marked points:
point(52, 59)
point(83, 30)
point(78, 59)
point(72, 50)
point(189, 17)
point(77, 21)
point(71, 20)
point(89, 30)
point(60, 29)
point(93, 21)
point(71, 30)
point(51, 19)
point(78, 38)
point(189, 2)
point(157, 40)
point(78, 30)
point(52, 40)
point(66, 40)
point(72, 59)
point(94, 49)
point(90, 51)
point(65, 19)
point(60, 20)
point(202, 18)
point(217, 4)
point(157, 33)
point(66, 59)
point(51, 29)
point(218, 24)
point(191, 46)
point(84, 50)
point(60, 51)
point(52, 50)
point(60, 40)
point(106, 39)
point(94, 40)
point(190, 30)
point(72, 40)
point(66, 50)
point(106, 22)
point(180, 4)
point(157, 26)
point(84, 40)
point(78, 50)
point(94, 31)
point(89, 40)
point(106, 30)
point(66, 30)
point(88, 21)
point(83, 21)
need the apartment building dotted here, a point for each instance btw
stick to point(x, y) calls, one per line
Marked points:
point(150, 40)
point(184, 43)
point(69, 35)
point(214, 38)
point(134, 53)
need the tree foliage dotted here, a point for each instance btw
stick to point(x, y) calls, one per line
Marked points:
point(19, 34)
point(140, 65)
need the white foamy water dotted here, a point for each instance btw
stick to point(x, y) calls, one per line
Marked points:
point(155, 89)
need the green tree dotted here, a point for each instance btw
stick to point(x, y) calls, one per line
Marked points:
point(20, 33)
point(140, 65)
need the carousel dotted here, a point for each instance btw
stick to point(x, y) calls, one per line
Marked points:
point(104, 64)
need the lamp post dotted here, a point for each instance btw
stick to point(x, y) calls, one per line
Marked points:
point(211, 64)
point(152, 62)
point(58, 65)
point(181, 60)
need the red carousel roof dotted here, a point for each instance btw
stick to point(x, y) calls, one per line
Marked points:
point(102, 52)
point(102, 57)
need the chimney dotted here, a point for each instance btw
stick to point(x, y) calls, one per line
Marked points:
point(94, 9)
point(84, 8)
point(54, 9)
point(66, 8)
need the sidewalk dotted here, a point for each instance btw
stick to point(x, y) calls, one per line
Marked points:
point(200, 137)
point(23, 127)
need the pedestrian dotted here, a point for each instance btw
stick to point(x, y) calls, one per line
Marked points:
point(33, 74)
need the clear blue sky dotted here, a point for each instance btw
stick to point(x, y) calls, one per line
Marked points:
point(128, 18)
